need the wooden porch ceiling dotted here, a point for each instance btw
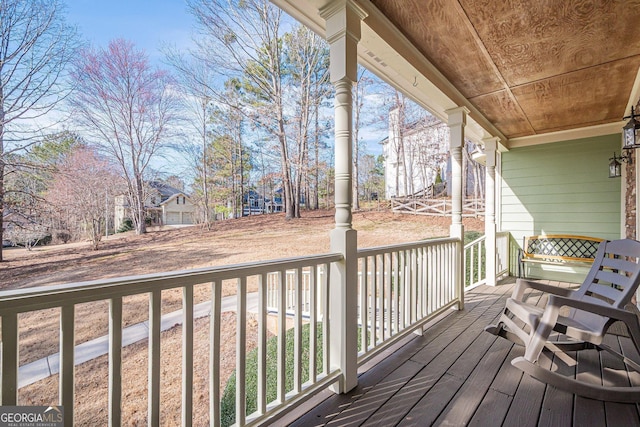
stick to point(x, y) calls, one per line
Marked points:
point(524, 69)
point(530, 67)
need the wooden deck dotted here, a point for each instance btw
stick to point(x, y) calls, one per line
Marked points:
point(456, 374)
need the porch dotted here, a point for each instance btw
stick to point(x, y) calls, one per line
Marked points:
point(398, 289)
point(363, 303)
point(456, 374)
point(453, 374)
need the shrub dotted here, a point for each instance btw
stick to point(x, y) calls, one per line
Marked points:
point(127, 225)
point(63, 236)
point(228, 401)
point(470, 236)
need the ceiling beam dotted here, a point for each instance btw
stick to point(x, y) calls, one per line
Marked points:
point(567, 135)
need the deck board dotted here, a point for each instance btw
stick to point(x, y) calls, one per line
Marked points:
point(588, 412)
point(475, 386)
point(620, 414)
point(457, 374)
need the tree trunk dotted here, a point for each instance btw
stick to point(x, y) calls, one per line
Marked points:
point(241, 166)
point(1, 192)
point(357, 103)
point(285, 165)
point(205, 190)
point(1, 176)
point(316, 168)
point(141, 226)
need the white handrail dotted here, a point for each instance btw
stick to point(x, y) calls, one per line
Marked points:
point(66, 297)
point(400, 288)
point(475, 259)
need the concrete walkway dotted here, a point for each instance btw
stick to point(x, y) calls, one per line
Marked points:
point(43, 368)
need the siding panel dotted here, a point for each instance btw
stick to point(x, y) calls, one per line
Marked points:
point(561, 188)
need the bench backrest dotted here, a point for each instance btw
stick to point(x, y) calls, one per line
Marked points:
point(561, 247)
point(612, 280)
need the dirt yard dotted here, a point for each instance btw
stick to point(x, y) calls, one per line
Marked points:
point(227, 242)
point(254, 238)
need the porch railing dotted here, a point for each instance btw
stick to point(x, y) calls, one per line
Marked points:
point(291, 297)
point(475, 257)
point(400, 288)
point(65, 298)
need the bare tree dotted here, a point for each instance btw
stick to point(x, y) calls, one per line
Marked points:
point(195, 81)
point(26, 223)
point(35, 47)
point(396, 140)
point(126, 107)
point(359, 92)
point(81, 190)
point(228, 146)
point(307, 57)
point(242, 38)
point(429, 151)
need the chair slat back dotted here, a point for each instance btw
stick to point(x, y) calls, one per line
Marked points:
point(612, 280)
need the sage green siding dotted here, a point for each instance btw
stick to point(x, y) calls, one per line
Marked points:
point(561, 188)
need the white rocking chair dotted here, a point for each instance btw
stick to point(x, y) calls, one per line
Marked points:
point(594, 307)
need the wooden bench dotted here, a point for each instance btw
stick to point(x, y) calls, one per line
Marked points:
point(557, 249)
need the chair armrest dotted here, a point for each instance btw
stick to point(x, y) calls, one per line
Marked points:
point(602, 310)
point(522, 285)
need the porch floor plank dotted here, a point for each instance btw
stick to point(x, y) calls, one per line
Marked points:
point(589, 412)
point(456, 374)
point(621, 414)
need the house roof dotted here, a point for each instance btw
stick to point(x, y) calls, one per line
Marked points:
point(166, 191)
point(529, 72)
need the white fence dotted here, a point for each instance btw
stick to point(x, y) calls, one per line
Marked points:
point(400, 288)
point(65, 298)
point(295, 278)
point(436, 207)
point(424, 275)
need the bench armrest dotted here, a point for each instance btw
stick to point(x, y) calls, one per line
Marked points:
point(520, 263)
point(523, 284)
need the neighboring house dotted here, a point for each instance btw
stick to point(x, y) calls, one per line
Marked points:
point(415, 154)
point(255, 203)
point(165, 205)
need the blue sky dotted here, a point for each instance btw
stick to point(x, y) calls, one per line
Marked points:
point(147, 23)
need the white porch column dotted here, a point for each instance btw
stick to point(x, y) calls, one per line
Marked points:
point(457, 119)
point(343, 34)
point(490, 150)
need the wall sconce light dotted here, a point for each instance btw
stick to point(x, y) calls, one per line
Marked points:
point(630, 140)
point(479, 156)
point(615, 164)
point(631, 131)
